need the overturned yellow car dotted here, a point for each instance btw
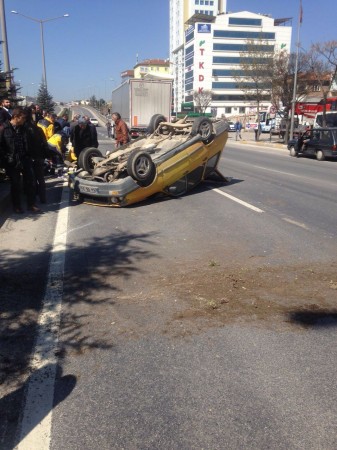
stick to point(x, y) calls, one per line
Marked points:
point(171, 159)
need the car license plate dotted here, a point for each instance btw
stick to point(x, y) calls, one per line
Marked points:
point(88, 189)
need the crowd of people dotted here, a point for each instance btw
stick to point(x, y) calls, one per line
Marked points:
point(29, 136)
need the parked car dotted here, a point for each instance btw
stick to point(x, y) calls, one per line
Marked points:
point(172, 159)
point(231, 126)
point(318, 142)
point(94, 121)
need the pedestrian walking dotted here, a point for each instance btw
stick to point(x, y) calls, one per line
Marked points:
point(16, 160)
point(238, 128)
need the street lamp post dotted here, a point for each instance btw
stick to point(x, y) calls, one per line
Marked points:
point(41, 22)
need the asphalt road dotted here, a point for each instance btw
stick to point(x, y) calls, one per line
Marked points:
point(186, 323)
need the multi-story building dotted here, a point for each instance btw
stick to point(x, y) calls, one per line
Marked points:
point(208, 56)
point(180, 12)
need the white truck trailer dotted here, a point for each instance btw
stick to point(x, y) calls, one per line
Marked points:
point(137, 100)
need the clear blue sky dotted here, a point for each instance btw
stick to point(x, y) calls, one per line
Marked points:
point(102, 38)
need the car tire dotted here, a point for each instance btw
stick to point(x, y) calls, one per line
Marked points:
point(293, 152)
point(204, 127)
point(155, 121)
point(320, 155)
point(85, 158)
point(141, 167)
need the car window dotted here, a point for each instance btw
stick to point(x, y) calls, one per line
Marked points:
point(326, 137)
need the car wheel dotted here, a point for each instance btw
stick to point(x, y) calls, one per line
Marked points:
point(155, 122)
point(85, 158)
point(141, 167)
point(320, 155)
point(204, 127)
point(292, 151)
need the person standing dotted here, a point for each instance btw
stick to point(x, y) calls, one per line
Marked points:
point(121, 130)
point(38, 151)
point(108, 128)
point(238, 128)
point(83, 135)
point(5, 110)
point(61, 122)
point(17, 161)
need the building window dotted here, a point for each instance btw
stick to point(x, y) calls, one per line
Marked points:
point(243, 48)
point(189, 37)
point(228, 110)
point(189, 50)
point(243, 34)
point(238, 60)
point(197, 2)
point(235, 98)
point(189, 62)
point(230, 85)
point(227, 73)
point(244, 21)
point(242, 110)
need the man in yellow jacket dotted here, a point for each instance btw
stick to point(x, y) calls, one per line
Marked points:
point(57, 148)
point(47, 125)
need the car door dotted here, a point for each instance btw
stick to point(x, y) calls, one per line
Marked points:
point(313, 143)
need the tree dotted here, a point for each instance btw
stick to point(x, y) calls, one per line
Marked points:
point(323, 64)
point(255, 78)
point(8, 89)
point(283, 76)
point(44, 99)
point(202, 100)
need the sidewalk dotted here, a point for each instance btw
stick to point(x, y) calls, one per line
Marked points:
point(248, 137)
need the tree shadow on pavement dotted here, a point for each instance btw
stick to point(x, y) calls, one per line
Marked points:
point(11, 403)
point(89, 287)
point(314, 319)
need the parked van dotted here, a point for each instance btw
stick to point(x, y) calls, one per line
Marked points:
point(331, 119)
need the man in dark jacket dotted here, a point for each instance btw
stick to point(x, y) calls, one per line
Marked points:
point(83, 135)
point(38, 151)
point(61, 122)
point(4, 110)
point(15, 158)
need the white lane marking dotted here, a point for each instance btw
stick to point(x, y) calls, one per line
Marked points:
point(293, 222)
point(81, 227)
point(278, 171)
point(35, 430)
point(247, 205)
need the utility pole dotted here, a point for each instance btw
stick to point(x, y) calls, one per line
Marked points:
point(293, 103)
point(5, 44)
